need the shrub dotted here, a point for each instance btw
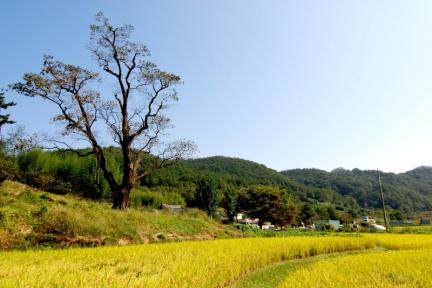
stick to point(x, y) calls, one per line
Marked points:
point(8, 167)
point(144, 197)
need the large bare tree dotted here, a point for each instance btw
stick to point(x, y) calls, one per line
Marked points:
point(133, 114)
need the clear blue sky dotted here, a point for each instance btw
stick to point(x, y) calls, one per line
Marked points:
point(290, 84)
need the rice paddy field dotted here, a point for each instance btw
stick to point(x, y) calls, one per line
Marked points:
point(220, 263)
point(410, 268)
point(414, 229)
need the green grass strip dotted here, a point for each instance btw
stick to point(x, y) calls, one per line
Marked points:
point(271, 276)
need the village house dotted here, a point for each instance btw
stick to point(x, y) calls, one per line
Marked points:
point(245, 220)
point(172, 208)
point(425, 221)
point(320, 225)
point(365, 219)
point(267, 226)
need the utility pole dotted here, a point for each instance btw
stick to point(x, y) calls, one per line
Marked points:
point(382, 201)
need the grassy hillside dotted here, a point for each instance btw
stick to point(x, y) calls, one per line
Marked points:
point(410, 191)
point(30, 218)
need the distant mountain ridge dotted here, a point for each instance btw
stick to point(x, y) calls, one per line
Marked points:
point(408, 191)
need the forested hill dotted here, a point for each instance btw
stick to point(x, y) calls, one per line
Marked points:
point(407, 191)
point(410, 191)
point(234, 171)
point(66, 173)
point(239, 172)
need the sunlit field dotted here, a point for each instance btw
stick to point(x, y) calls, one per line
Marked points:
point(198, 264)
point(409, 268)
point(398, 241)
point(415, 229)
point(187, 264)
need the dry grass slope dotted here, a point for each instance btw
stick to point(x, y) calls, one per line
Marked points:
point(31, 218)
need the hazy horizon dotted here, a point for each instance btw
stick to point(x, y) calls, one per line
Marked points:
point(287, 84)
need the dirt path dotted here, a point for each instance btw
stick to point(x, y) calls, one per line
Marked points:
point(271, 276)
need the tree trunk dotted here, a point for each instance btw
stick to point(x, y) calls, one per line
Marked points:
point(121, 198)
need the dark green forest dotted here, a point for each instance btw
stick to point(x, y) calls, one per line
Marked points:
point(339, 194)
point(409, 191)
point(64, 173)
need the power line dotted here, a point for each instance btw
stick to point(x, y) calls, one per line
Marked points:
point(382, 201)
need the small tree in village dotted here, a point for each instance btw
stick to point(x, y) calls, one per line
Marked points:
point(268, 204)
point(206, 195)
point(134, 114)
point(229, 203)
point(307, 213)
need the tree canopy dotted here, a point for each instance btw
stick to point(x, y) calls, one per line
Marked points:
point(410, 191)
point(4, 118)
point(268, 204)
point(133, 115)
